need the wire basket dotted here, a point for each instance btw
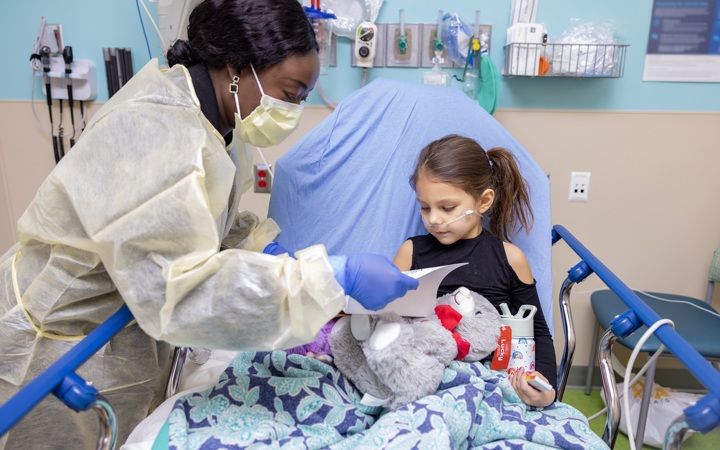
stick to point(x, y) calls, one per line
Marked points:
point(565, 60)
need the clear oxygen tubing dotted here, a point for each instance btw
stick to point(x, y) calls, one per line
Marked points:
point(402, 38)
point(467, 213)
point(269, 167)
point(157, 30)
point(324, 96)
point(628, 373)
point(438, 33)
point(472, 67)
point(142, 25)
point(37, 119)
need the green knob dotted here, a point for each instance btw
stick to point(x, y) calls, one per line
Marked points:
point(402, 44)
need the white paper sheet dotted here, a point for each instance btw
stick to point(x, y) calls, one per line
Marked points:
point(418, 303)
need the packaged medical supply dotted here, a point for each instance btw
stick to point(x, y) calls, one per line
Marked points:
point(526, 42)
point(523, 11)
point(586, 50)
point(350, 13)
point(456, 35)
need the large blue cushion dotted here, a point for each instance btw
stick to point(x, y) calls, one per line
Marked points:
point(345, 184)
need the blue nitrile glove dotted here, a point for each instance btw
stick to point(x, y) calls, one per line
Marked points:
point(372, 280)
point(274, 248)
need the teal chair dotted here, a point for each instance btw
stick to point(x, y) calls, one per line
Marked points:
point(695, 320)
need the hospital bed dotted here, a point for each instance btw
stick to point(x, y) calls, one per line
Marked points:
point(345, 184)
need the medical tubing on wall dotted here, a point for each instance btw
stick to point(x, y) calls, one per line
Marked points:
point(61, 134)
point(32, 106)
point(68, 59)
point(83, 111)
point(269, 168)
point(142, 25)
point(72, 114)
point(325, 98)
point(152, 21)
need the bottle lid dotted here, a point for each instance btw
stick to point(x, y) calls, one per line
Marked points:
point(521, 323)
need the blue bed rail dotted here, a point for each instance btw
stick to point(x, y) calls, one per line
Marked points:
point(60, 378)
point(704, 416)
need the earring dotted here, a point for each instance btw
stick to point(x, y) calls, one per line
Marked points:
point(234, 85)
point(234, 92)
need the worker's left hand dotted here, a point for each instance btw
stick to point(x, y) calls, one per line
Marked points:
point(528, 394)
point(372, 280)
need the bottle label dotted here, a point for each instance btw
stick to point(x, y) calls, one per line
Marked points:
point(501, 357)
point(522, 355)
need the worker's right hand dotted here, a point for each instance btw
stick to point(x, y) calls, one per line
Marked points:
point(372, 280)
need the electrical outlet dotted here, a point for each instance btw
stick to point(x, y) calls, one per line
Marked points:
point(395, 57)
point(263, 179)
point(579, 186)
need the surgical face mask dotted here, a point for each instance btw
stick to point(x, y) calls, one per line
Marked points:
point(268, 124)
point(440, 226)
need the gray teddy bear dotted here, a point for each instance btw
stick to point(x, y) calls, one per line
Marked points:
point(396, 360)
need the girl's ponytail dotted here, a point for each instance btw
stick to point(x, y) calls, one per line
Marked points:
point(512, 200)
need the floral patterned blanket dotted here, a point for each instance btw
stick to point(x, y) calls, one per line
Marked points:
point(281, 400)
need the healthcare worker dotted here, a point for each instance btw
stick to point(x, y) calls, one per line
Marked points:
point(143, 211)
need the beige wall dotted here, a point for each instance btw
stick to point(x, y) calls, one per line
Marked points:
point(652, 215)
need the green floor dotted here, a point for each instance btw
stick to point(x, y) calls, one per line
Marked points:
point(591, 404)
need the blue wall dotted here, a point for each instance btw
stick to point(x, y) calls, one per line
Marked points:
point(90, 25)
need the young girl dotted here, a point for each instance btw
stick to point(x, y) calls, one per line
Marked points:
point(457, 182)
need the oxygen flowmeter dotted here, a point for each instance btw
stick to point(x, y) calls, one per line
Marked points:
point(365, 40)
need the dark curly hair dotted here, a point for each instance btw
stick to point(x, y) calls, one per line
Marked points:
point(243, 32)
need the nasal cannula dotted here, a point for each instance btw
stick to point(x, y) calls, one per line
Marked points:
point(443, 225)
